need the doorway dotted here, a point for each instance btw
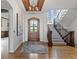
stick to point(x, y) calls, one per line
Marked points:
point(6, 27)
point(33, 29)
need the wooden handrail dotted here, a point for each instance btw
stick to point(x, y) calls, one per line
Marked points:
point(68, 37)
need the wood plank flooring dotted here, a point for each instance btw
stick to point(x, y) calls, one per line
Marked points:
point(56, 52)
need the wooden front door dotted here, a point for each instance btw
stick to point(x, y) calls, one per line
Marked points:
point(33, 29)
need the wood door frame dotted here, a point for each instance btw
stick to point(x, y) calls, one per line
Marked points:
point(38, 26)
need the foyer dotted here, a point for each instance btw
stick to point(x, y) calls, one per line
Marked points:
point(38, 29)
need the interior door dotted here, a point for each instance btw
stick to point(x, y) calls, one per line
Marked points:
point(33, 33)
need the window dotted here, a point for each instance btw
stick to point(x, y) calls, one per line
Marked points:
point(51, 15)
point(55, 14)
point(33, 25)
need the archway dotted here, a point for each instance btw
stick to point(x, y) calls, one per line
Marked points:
point(5, 5)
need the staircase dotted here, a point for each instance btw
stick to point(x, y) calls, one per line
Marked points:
point(56, 39)
point(67, 36)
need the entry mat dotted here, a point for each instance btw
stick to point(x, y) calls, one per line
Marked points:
point(34, 47)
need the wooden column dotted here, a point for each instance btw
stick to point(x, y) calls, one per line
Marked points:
point(49, 37)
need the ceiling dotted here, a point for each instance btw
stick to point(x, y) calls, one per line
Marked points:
point(36, 7)
point(52, 4)
point(59, 4)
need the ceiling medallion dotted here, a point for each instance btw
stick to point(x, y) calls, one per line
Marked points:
point(33, 3)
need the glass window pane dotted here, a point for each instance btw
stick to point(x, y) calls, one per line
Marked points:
point(31, 27)
point(35, 22)
point(31, 23)
point(35, 28)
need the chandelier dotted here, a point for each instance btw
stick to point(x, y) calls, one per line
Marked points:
point(33, 5)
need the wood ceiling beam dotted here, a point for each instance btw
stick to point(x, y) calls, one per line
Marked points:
point(26, 4)
point(40, 4)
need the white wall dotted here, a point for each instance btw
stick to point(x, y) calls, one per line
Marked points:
point(17, 39)
point(69, 17)
point(14, 40)
point(43, 24)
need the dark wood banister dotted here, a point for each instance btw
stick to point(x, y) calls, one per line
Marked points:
point(68, 37)
point(61, 29)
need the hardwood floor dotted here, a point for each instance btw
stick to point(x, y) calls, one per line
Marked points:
point(56, 52)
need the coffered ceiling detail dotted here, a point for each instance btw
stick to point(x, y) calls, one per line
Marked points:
point(33, 5)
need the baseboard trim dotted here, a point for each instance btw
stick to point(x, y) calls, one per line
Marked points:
point(13, 51)
point(18, 47)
